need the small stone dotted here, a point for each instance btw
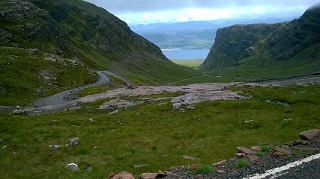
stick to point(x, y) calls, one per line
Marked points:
point(245, 150)
point(54, 147)
point(1, 140)
point(90, 169)
point(176, 105)
point(252, 158)
point(91, 120)
point(190, 158)
point(221, 171)
point(255, 148)
point(114, 112)
point(74, 141)
point(149, 176)
point(281, 152)
point(140, 166)
point(200, 176)
point(240, 155)
point(310, 134)
point(304, 142)
point(219, 163)
point(73, 167)
point(123, 175)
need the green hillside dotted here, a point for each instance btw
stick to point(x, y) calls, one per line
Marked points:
point(48, 46)
point(249, 52)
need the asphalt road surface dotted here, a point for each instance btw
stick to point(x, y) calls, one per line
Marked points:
point(309, 170)
point(60, 98)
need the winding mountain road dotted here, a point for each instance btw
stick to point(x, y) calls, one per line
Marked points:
point(60, 98)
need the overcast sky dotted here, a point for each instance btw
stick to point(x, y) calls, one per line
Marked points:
point(152, 11)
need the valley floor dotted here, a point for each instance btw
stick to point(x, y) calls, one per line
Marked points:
point(146, 129)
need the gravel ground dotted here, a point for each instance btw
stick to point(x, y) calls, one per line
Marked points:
point(229, 170)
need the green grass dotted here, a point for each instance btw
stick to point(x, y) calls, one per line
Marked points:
point(242, 163)
point(153, 134)
point(25, 77)
point(188, 63)
point(203, 170)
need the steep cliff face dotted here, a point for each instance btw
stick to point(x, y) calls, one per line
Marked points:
point(267, 44)
point(51, 45)
point(233, 44)
point(293, 37)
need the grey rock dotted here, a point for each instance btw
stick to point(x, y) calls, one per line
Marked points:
point(54, 147)
point(114, 112)
point(278, 151)
point(74, 141)
point(252, 158)
point(255, 148)
point(73, 167)
point(149, 176)
point(199, 176)
point(190, 158)
point(176, 105)
point(219, 163)
point(245, 150)
point(310, 134)
point(240, 155)
point(123, 175)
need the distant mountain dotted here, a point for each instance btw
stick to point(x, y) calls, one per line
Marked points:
point(268, 49)
point(191, 35)
point(51, 45)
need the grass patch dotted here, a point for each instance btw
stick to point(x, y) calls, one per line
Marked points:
point(152, 134)
point(242, 163)
point(203, 170)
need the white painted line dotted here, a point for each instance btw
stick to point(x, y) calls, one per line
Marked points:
point(279, 170)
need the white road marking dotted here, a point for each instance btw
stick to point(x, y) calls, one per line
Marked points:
point(279, 171)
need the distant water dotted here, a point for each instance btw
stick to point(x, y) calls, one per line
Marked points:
point(179, 54)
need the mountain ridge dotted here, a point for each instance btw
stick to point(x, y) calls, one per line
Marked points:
point(283, 45)
point(51, 45)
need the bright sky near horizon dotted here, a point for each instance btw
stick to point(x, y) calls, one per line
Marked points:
point(156, 11)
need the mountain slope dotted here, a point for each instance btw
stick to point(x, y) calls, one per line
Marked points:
point(285, 48)
point(51, 45)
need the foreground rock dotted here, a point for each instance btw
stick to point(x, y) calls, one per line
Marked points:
point(149, 176)
point(245, 151)
point(310, 134)
point(73, 167)
point(122, 175)
point(74, 141)
point(266, 160)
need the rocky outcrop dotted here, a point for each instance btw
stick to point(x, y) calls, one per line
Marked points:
point(232, 44)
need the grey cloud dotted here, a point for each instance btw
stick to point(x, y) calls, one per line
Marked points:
point(154, 5)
